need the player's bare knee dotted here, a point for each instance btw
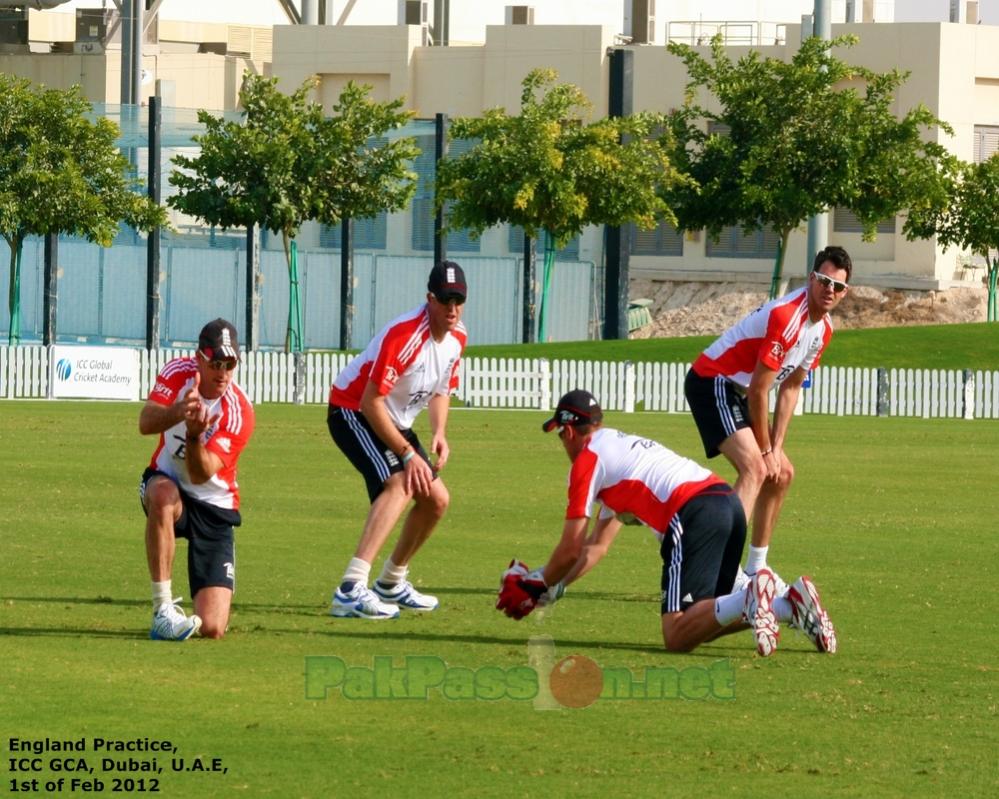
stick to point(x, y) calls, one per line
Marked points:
point(752, 473)
point(212, 629)
point(438, 500)
point(786, 474)
point(161, 496)
point(676, 643)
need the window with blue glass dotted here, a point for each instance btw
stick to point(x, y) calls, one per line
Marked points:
point(515, 243)
point(423, 202)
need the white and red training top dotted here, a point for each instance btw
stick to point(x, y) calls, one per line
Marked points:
point(406, 365)
point(633, 477)
point(778, 334)
point(226, 438)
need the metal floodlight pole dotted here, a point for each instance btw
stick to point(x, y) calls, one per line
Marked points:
point(153, 242)
point(138, 12)
point(617, 241)
point(310, 12)
point(440, 153)
point(818, 225)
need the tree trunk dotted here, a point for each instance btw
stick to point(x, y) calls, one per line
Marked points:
point(286, 243)
point(14, 290)
point(776, 278)
point(993, 278)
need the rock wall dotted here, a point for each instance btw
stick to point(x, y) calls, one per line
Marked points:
point(693, 309)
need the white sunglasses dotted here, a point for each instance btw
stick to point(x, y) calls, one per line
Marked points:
point(838, 286)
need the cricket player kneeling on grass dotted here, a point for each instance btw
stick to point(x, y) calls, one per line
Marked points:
point(203, 420)
point(698, 520)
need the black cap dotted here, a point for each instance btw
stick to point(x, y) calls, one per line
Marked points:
point(576, 407)
point(447, 281)
point(218, 341)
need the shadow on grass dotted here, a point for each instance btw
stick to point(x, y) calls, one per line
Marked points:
point(384, 633)
point(67, 632)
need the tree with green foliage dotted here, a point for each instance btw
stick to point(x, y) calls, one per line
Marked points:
point(287, 163)
point(781, 141)
point(60, 172)
point(967, 217)
point(551, 172)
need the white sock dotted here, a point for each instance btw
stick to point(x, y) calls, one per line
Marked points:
point(756, 559)
point(162, 593)
point(782, 608)
point(357, 571)
point(392, 574)
point(729, 608)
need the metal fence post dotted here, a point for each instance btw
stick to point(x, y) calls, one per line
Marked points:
point(883, 407)
point(969, 394)
point(545, 395)
point(629, 387)
point(298, 389)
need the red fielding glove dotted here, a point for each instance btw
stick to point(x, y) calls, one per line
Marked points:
point(520, 591)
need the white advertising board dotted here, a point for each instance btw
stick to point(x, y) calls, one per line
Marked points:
point(94, 373)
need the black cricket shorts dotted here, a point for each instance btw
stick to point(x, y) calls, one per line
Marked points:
point(211, 548)
point(718, 407)
point(702, 548)
point(371, 456)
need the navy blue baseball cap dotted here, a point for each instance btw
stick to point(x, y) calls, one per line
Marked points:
point(575, 408)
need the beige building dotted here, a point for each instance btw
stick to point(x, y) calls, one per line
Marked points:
point(954, 72)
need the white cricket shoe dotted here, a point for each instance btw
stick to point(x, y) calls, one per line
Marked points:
point(403, 595)
point(758, 612)
point(170, 623)
point(808, 615)
point(742, 580)
point(361, 603)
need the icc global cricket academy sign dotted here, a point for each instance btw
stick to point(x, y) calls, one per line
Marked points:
point(95, 373)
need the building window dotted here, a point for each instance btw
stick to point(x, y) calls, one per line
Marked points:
point(663, 239)
point(515, 243)
point(845, 221)
point(986, 142)
point(732, 243)
point(423, 202)
point(369, 234)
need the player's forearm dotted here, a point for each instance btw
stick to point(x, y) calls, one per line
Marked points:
point(374, 410)
point(155, 418)
point(591, 556)
point(567, 551)
point(759, 417)
point(437, 413)
point(787, 399)
point(202, 463)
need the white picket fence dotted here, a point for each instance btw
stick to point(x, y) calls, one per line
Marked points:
point(537, 383)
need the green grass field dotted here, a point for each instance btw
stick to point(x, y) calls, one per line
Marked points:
point(895, 519)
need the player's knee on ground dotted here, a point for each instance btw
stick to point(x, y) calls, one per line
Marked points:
point(212, 628)
point(676, 634)
point(675, 644)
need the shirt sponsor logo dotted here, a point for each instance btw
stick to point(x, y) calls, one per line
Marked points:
point(391, 375)
point(777, 350)
point(224, 443)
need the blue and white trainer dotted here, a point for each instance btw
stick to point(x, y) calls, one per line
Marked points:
point(170, 623)
point(403, 595)
point(361, 603)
